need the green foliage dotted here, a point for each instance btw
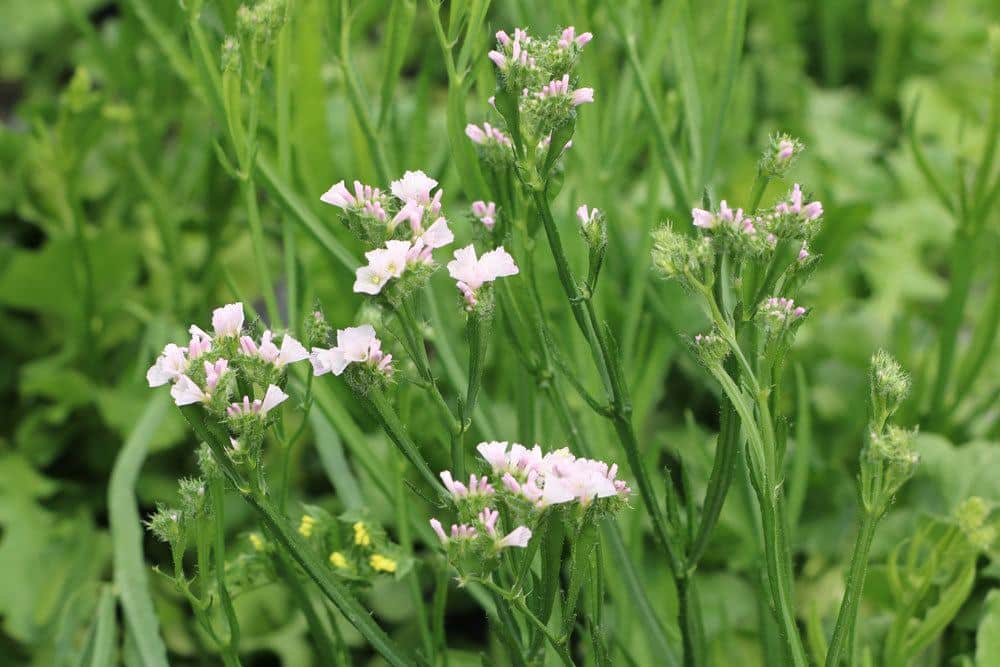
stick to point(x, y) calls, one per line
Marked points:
point(158, 159)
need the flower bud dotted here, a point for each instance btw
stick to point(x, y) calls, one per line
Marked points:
point(710, 348)
point(231, 57)
point(780, 154)
point(679, 256)
point(972, 515)
point(318, 331)
point(166, 525)
point(889, 383)
point(192, 496)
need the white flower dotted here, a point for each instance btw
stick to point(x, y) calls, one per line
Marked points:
point(228, 320)
point(466, 268)
point(186, 392)
point(414, 186)
point(170, 365)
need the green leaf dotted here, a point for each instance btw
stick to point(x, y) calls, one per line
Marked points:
point(130, 576)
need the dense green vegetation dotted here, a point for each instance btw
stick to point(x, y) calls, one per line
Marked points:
point(796, 496)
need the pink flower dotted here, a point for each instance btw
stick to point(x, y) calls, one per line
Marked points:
point(475, 133)
point(198, 345)
point(503, 37)
point(354, 345)
point(414, 186)
point(228, 320)
point(438, 235)
point(803, 252)
point(273, 397)
point(703, 218)
point(569, 37)
point(582, 96)
point(462, 532)
point(498, 59)
point(489, 518)
point(478, 486)
point(338, 195)
point(186, 392)
point(439, 529)
point(786, 149)
point(169, 366)
point(587, 216)
point(812, 210)
point(365, 199)
point(475, 272)
point(214, 373)
point(290, 352)
point(485, 212)
point(495, 454)
point(471, 273)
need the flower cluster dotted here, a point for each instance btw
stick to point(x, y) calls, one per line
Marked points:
point(375, 216)
point(758, 234)
point(781, 309)
point(681, 256)
point(208, 371)
point(538, 94)
point(888, 459)
point(358, 556)
point(710, 348)
point(494, 145)
point(471, 273)
point(553, 478)
point(485, 212)
point(522, 484)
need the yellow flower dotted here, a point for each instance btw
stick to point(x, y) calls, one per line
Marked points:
point(256, 541)
point(306, 527)
point(380, 563)
point(337, 560)
point(361, 536)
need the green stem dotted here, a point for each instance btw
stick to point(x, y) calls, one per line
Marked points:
point(518, 603)
point(847, 617)
point(759, 186)
point(216, 491)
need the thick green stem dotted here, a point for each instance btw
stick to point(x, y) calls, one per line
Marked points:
point(848, 615)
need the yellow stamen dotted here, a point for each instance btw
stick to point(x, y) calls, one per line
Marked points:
point(380, 563)
point(337, 560)
point(306, 527)
point(361, 536)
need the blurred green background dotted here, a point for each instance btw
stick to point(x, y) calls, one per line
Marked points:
point(121, 224)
